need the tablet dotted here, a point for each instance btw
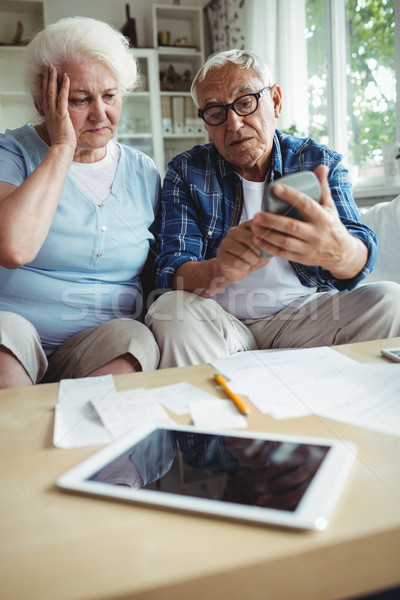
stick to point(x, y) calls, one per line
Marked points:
point(264, 478)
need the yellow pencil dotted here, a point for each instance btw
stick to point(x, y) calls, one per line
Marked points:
point(242, 408)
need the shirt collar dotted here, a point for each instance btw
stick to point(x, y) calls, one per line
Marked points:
point(276, 166)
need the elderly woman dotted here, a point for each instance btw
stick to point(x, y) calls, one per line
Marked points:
point(76, 211)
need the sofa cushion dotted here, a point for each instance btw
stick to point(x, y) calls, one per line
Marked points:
point(384, 219)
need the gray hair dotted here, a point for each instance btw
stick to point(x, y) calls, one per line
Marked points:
point(242, 58)
point(80, 39)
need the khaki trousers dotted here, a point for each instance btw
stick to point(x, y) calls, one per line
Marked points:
point(190, 329)
point(83, 353)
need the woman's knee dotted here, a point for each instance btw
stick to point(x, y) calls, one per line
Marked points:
point(12, 372)
point(12, 322)
point(129, 336)
point(21, 341)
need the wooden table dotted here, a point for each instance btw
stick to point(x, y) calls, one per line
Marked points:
point(57, 546)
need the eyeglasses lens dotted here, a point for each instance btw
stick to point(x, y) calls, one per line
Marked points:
point(216, 115)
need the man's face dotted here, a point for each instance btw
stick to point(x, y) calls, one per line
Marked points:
point(245, 142)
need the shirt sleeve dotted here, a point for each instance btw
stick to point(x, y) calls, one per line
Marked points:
point(179, 237)
point(340, 186)
point(12, 164)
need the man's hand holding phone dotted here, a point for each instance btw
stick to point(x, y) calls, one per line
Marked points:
point(305, 182)
point(319, 239)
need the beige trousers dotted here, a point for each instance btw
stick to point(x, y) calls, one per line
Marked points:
point(83, 353)
point(190, 329)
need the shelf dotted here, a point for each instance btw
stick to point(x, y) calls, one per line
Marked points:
point(142, 124)
point(138, 94)
point(178, 65)
point(32, 8)
point(15, 93)
point(177, 93)
point(11, 47)
point(29, 14)
point(178, 51)
point(181, 58)
point(141, 136)
point(176, 12)
point(180, 22)
point(178, 136)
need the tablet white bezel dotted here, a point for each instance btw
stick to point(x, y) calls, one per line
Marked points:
point(313, 511)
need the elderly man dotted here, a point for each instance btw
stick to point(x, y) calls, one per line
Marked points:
point(226, 296)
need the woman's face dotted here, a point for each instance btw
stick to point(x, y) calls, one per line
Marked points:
point(94, 103)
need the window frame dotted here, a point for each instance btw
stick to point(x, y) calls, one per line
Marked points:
point(335, 31)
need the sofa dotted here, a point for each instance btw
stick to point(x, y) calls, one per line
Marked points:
point(384, 219)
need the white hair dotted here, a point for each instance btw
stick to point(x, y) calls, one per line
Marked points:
point(242, 58)
point(80, 39)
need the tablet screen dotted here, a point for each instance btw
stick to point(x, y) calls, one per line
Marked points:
point(277, 479)
point(248, 471)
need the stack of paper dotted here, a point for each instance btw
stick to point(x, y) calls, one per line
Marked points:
point(90, 412)
point(283, 383)
point(321, 381)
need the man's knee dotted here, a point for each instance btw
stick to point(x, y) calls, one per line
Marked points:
point(379, 309)
point(180, 308)
point(386, 294)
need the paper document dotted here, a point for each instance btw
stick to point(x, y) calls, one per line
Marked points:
point(76, 423)
point(179, 397)
point(321, 381)
point(217, 414)
point(367, 396)
point(90, 412)
point(270, 378)
point(129, 410)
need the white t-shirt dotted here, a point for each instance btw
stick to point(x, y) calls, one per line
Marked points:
point(96, 179)
point(265, 291)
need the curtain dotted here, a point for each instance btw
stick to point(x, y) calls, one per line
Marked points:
point(275, 30)
point(226, 21)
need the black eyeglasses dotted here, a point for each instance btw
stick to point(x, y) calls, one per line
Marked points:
point(242, 106)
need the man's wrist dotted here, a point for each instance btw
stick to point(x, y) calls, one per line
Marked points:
point(354, 261)
point(202, 277)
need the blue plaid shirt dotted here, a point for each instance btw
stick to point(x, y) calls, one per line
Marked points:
point(202, 197)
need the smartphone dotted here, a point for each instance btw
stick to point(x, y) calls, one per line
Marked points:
point(304, 181)
point(392, 353)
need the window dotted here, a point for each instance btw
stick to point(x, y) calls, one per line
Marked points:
point(352, 84)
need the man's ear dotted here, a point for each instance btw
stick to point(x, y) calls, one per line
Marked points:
point(276, 96)
point(39, 108)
